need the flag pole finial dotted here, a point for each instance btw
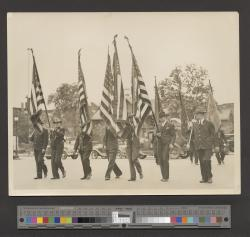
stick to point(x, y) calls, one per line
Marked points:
point(30, 49)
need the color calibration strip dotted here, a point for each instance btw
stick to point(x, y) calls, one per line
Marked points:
point(124, 217)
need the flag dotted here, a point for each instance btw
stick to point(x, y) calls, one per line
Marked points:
point(158, 106)
point(212, 112)
point(142, 102)
point(37, 102)
point(184, 117)
point(83, 102)
point(106, 108)
point(119, 103)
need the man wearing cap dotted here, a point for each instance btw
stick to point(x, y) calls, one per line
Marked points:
point(204, 141)
point(133, 150)
point(166, 136)
point(57, 147)
point(83, 143)
point(110, 143)
point(39, 138)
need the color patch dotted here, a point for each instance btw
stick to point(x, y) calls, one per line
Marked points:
point(184, 219)
point(39, 220)
point(33, 220)
point(56, 219)
point(51, 219)
point(219, 219)
point(213, 220)
point(63, 220)
point(179, 219)
point(196, 220)
point(28, 220)
point(207, 220)
point(201, 219)
point(74, 220)
point(190, 220)
point(173, 219)
point(45, 220)
point(68, 220)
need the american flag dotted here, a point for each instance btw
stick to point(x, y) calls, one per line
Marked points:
point(106, 108)
point(83, 102)
point(142, 102)
point(37, 102)
point(119, 103)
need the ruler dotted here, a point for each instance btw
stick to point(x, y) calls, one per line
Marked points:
point(120, 217)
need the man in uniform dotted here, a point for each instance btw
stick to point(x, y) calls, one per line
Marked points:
point(203, 138)
point(133, 150)
point(57, 147)
point(83, 143)
point(166, 137)
point(221, 141)
point(39, 138)
point(110, 143)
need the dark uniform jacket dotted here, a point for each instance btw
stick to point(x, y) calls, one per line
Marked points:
point(203, 135)
point(40, 140)
point(167, 134)
point(83, 142)
point(57, 137)
point(110, 141)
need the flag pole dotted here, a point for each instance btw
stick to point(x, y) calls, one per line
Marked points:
point(126, 38)
point(40, 83)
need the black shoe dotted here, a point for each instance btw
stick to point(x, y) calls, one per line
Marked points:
point(84, 177)
point(132, 180)
point(55, 178)
point(107, 178)
point(164, 180)
point(38, 178)
point(203, 181)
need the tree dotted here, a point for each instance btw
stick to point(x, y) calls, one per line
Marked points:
point(66, 102)
point(191, 82)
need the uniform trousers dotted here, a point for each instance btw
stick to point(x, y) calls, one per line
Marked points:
point(85, 162)
point(112, 164)
point(40, 165)
point(205, 163)
point(164, 161)
point(56, 160)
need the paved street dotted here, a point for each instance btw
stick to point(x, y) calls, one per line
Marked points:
point(184, 178)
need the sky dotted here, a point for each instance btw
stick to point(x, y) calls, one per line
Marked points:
point(161, 41)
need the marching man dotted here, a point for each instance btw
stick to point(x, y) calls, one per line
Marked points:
point(39, 138)
point(166, 136)
point(57, 148)
point(204, 140)
point(83, 143)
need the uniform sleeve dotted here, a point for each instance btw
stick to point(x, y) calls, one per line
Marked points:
point(76, 143)
point(212, 134)
point(173, 134)
point(45, 139)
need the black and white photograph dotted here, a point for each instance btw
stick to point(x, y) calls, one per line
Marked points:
point(123, 103)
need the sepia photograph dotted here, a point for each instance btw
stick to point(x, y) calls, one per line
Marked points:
point(123, 103)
